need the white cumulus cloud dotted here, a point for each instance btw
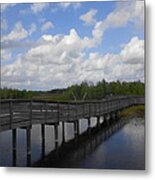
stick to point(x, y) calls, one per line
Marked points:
point(88, 17)
point(65, 5)
point(63, 57)
point(5, 6)
point(5, 55)
point(32, 29)
point(125, 12)
point(17, 33)
point(46, 26)
point(38, 7)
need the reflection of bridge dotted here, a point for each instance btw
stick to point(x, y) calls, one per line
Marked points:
point(24, 113)
point(79, 150)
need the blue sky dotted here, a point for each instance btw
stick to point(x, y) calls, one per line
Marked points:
point(60, 44)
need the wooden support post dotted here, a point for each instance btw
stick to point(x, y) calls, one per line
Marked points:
point(56, 135)
point(98, 121)
point(43, 139)
point(28, 140)
point(116, 115)
point(63, 131)
point(89, 126)
point(76, 129)
point(14, 147)
point(106, 121)
point(110, 118)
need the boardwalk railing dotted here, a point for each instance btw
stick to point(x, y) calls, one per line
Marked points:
point(22, 113)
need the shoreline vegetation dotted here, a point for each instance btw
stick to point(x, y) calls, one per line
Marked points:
point(134, 111)
point(78, 92)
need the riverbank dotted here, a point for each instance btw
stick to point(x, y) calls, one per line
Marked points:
point(134, 111)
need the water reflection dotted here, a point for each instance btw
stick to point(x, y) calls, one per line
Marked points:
point(120, 146)
point(73, 151)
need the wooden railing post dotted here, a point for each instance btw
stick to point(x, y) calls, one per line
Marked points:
point(68, 108)
point(89, 109)
point(45, 111)
point(83, 104)
point(31, 112)
point(58, 112)
point(11, 114)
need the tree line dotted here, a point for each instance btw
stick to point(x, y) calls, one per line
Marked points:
point(84, 91)
point(89, 91)
point(9, 93)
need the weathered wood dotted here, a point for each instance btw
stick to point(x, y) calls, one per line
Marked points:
point(18, 113)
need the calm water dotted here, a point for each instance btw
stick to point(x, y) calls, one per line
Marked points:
point(119, 147)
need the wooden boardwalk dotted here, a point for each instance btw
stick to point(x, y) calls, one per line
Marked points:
point(16, 114)
point(22, 113)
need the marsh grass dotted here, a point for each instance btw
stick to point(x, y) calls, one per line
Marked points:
point(134, 111)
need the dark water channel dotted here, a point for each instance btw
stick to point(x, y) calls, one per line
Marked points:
point(119, 146)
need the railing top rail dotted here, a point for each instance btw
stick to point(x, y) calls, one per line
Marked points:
point(109, 99)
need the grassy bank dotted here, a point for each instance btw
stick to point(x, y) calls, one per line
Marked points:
point(135, 111)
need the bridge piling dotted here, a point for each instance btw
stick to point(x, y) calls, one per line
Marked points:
point(14, 147)
point(98, 122)
point(63, 131)
point(43, 139)
point(76, 129)
point(28, 143)
point(111, 117)
point(107, 123)
point(56, 135)
point(89, 126)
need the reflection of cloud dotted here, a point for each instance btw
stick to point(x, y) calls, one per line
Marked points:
point(134, 132)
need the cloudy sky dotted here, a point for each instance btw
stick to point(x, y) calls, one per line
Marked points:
point(54, 45)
